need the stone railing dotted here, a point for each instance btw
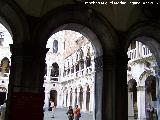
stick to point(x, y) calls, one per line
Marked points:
point(80, 73)
point(134, 54)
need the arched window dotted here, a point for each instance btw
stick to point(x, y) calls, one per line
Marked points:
point(72, 69)
point(150, 84)
point(55, 46)
point(5, 65)
point(132, 95)
point(55, 71)
point(81, 54)
point(53, 96)
point(88, 58)
point(81, 61)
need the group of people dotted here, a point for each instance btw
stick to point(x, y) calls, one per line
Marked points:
point(74, 114)
point(151, 111)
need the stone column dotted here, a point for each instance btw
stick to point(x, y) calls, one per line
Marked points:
point(59, 98)
point(130, 105)
point(121, 90)
point(26, 82)
point(140, 49)
point(68, 100)
point(92, 102)
point(78, 96)
point(98, 88)
point(73, 98)
point(115, 92)
point(141, 102)
point(84, 99)
point(63, 104)
point(76, 99)
point(65, 99)
point(137, 49)
point(47, 95)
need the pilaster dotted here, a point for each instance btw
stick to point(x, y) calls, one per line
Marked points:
point(98, 87)
point(115, 92)
point(26, 82)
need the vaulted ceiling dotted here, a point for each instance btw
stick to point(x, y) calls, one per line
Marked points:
point(120, 16)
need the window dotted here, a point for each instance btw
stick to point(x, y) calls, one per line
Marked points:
point(55, 46)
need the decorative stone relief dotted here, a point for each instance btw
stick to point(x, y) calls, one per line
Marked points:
point(99, 63)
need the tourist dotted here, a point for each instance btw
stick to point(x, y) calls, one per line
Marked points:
point(70, 113)
point(77, 113)
point(52, 106)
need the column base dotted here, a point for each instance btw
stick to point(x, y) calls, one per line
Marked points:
point(26, 106)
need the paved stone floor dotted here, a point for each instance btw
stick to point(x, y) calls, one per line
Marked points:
point(60, 114)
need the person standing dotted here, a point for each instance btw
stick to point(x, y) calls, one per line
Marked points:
point(70, 113)
point(150, 111)
point(77, 113)
point(53, 107)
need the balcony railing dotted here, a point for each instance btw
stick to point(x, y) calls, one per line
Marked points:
point(134, 54)
point(78, 74)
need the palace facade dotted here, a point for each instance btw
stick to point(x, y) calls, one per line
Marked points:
point(141, 78)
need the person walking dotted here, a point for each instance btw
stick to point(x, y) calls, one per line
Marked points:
point(53, 107)
point(77, 113)
point(70, 113)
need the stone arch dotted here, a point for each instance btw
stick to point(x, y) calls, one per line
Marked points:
point(53, 96)
point(132, 98)
point(150, 93)
point(75, 20)
point(150, 87)
point(132, 85)
point(12, 18)
point(97, 29)
point(148, 34)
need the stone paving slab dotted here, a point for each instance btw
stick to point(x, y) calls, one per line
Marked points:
point(60, 114)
